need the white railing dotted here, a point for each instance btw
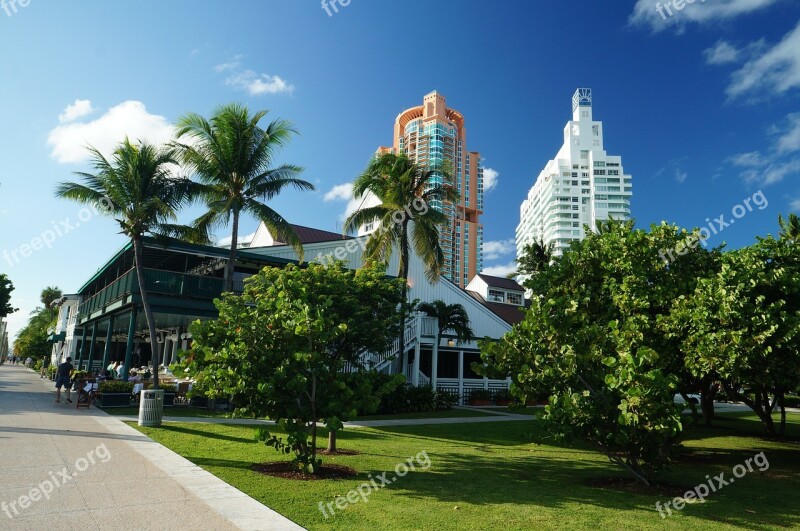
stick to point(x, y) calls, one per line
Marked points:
point(430, 326)
point(377, 361)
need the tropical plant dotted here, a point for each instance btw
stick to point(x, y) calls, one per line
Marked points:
point(233, 158)
point(790, 227)
point(136, 187)
point(6, 287)
point(49, 295)
point(403, 218)
point(116, 386)
point(451, 317)
point(535, 257)
point(284, 348)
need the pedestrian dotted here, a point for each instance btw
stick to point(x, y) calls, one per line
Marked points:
point(62, 379)
point(120, 371)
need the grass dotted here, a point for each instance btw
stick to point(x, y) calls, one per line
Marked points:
point(174, 411)
point(194, 412)
point(527, 410)
point(491, 475)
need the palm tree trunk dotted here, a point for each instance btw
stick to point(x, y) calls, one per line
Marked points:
point(148, 312)
point(403, 273)
point(229, 267)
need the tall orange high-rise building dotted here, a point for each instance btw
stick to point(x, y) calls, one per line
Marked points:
point(431, 134)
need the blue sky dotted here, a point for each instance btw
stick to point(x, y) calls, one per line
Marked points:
point(702, 105)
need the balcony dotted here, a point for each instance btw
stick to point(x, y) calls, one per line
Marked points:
point(158, 282)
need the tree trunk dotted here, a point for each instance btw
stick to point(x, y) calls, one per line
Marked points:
point(707, 403)
point(314, 423)
point(331, 441)
point(403, 273)
point(688, 401)
point(229, 267)
point(148, 312)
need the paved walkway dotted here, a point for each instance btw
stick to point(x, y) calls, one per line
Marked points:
point(64, 468)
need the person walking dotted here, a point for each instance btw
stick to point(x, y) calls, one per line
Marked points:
point(62, 379)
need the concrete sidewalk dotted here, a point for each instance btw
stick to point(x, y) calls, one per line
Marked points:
point(64, 468)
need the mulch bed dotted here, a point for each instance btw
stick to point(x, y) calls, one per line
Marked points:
point(287, 470)
point(631, 485)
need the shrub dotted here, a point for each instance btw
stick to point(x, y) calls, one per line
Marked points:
point(445, 400)
point(503, 394)
point(168, 388)
point(116, 386)
point(480, 394)
point(791, 401)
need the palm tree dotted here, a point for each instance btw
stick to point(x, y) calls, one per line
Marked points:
point(49, 295)
point(450, 317)
point(535, 257)
point(790, 228)
point(136, 188)
point(233, 157)
point(401, 185)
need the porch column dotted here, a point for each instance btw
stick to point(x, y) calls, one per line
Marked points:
point(174, 357)
point(415, 369)
point(83, 347)
point(91, 347)
point(129, 346)
point(107, 351)
point(435, 364)
point(461, 376)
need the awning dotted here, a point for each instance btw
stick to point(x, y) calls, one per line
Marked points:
point(52, 338)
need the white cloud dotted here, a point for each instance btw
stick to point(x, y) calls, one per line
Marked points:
point(752, 158)
point(500, 270)
point(68, 141)
point(490, 179)
point(680, 175)
point(648, 13)
point(258, 84)
point(233, 63)
point(780, 162)
point(344, 192)
point(721, 53)
point(789, 140)
point(795, 205)
point(79, 109)
point(771, 71)
point(340, 192)
point(492, 250)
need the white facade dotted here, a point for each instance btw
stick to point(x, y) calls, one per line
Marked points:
point(65, 325)
point(581, 185)
point(3, 339)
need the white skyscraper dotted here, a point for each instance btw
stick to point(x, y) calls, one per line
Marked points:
point(581, 185)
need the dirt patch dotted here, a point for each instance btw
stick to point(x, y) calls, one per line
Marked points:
point(661, 488)
point(287, 470)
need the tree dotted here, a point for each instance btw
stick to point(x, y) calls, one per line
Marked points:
point(535, 257)
point(286, 349)
point(32, 341)
point(450, 317)
point(744, 326)
point(403, 217)
point(137, 188)
point(233, 158)
point(6, 287)
point(790, 227)
point(49, 295)
point(591, 341)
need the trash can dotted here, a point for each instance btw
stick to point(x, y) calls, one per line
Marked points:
point(151, 407)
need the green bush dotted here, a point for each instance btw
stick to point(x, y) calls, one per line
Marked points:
point(480, 394)
point(168, 388)
point(408, 399)
point(116, 386)
point(503, 394)
point(37, 365)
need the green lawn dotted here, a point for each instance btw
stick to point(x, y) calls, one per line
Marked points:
point(491, 476)
point(204, 413)
point(176, 411)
